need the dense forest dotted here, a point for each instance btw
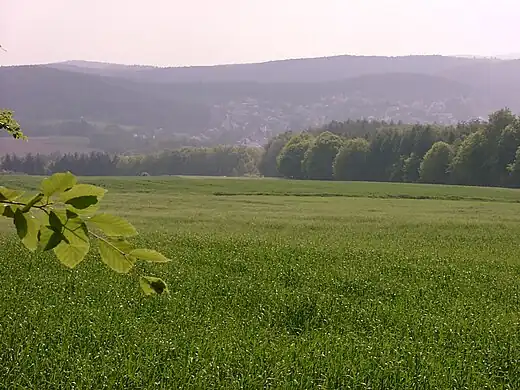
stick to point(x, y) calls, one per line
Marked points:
point(485, 153)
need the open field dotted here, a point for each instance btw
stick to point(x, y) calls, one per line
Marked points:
point(277, 284)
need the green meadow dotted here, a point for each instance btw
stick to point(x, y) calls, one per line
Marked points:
point(276, 284)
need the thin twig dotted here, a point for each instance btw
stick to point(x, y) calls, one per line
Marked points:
point(10, 202)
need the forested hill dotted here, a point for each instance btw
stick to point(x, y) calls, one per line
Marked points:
point(139, 108)
point(41, 94)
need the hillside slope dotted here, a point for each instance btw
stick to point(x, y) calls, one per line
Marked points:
point(43, 94)
point(251, 102)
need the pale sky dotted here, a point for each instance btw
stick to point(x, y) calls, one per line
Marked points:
point(204, 32)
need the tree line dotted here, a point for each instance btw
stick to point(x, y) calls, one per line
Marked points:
point(217, 161)
point(479, 152)
point(482, 153)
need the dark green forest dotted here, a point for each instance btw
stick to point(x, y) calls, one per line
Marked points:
point(484, 153)
point(216, 161)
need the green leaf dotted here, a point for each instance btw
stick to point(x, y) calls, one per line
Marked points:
point(31, 239)
point(122, 245)
point(149, 255)
point(44, 236)
point(80, 190)
point(75, 245)
point(10, 125)
point(32, 202)
point(58, 182)
point(8, 194)
point(114, 258)
point(9, 211)
point(152, 285)
point(48, 239)
point(113, 226)
point(27, 229)
point(21, 224)
point(70, 214)
point(83, 202)
point(70, 255)
point(55, 222)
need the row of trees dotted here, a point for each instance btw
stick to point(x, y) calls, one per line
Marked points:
point(218, 161)
point(474, 153)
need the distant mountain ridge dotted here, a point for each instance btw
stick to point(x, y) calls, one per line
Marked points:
point(293, 70)
point(247, 103)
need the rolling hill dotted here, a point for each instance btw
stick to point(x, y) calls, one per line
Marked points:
point(282, 71)
point(250, 102)
point(40, 93)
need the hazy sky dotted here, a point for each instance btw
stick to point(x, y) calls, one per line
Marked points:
point(193, 32)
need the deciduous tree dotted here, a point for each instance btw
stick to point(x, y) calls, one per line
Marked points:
point(320, 156)
point(435, 165)
point(291, 157)
point(351, 161)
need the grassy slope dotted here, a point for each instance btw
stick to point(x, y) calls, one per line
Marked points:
point(280, 291)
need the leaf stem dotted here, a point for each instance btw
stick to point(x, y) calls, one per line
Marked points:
point(107, 242)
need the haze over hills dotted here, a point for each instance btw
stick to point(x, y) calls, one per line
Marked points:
point(121, 108)
point(296, 70)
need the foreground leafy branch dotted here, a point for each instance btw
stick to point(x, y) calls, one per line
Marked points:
point(7, 123)
point(63, 217)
